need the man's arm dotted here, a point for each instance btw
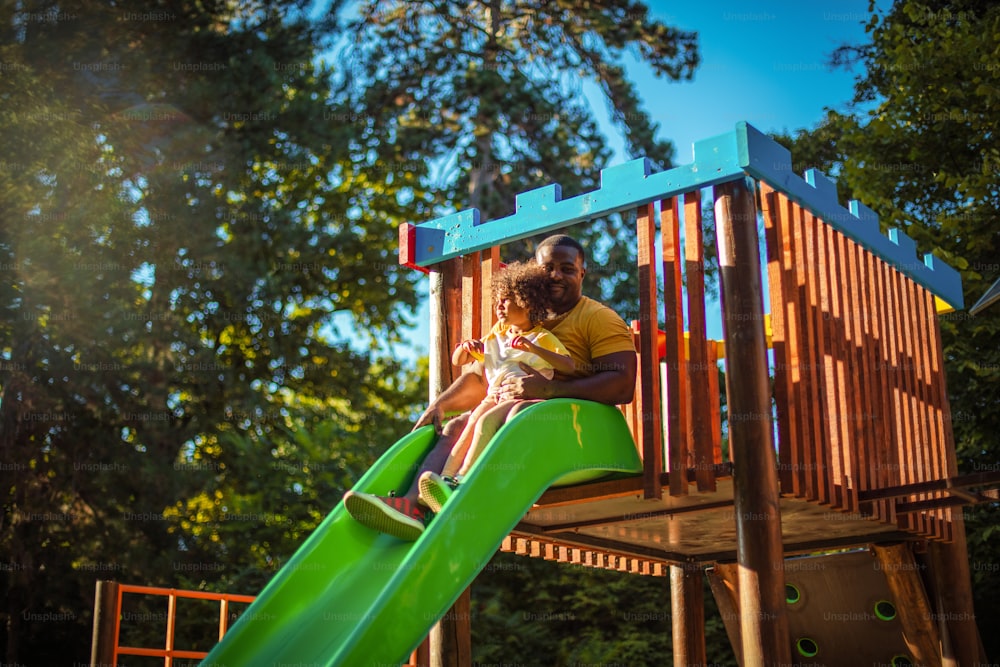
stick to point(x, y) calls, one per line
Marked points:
point(613, 382)
point(465, 393)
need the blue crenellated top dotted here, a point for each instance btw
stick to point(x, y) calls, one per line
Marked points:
point(743, 152)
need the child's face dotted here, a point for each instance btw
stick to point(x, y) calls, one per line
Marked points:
point(509, 313)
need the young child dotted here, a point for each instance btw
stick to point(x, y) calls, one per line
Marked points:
point(521, 299)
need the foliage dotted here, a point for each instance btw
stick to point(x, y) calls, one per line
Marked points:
point(577, 616)
point(919, 147)
point(190, 238)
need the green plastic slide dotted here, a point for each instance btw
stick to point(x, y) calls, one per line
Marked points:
point(353, 597)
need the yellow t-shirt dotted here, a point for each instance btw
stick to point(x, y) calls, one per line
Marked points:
point(591, 330)
point(501, 360)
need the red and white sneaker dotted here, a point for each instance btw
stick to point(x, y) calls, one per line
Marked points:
point(387, 514)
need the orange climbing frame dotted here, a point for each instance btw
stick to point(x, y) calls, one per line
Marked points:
point(114, 593)
point(107, 648)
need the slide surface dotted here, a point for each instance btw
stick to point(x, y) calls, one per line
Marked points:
point(353, 597)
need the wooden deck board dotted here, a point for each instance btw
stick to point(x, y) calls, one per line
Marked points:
point(693, 527)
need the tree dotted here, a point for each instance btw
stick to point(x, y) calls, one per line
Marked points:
point(492, 94)
point(919, 146)
point(198, 260)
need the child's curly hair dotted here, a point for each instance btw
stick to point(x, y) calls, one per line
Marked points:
point(527, 284)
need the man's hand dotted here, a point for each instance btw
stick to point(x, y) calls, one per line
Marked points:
point(464, 393)
point(432, 415)
point(532, 385)
point(613, 382)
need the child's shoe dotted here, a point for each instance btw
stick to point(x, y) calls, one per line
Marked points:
point(387, 514)
point(435, 490)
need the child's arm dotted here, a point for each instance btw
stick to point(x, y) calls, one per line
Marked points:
point(467, 351)
point(562, 363)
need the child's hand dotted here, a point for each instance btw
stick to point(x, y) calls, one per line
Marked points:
point(473, 346)
point(467, 351)
point(521, 343)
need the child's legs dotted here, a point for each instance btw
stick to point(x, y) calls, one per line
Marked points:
point(484, 429)
point(523, 404)
point(461, 447)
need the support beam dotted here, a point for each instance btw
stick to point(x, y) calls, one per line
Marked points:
point(951, 582)
point(450, 641)
point(102, 647)
point(989, 478)
point(902, 575)
point(723, 578)
point(763, 622)
point(687, 615)
point(951, 579)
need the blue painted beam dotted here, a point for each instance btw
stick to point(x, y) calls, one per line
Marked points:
point(726, 157)
point(540, 211)
point(768, 161)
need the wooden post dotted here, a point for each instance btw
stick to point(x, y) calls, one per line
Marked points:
point(700, 371)
point(102, 644)
point(723, 578)
point(950, 575)
point(675, 391)
point(450, 640)
point(445, 322)
point(649, 431)
point(687, 615)
point(902, 575)
point(951, 582)
point(763, 623)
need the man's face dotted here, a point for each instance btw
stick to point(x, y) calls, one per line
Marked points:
point(565, 268)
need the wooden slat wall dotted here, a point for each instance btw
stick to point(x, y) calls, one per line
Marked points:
point(647, 425)
point(858, 374)
point(715, 405)
point(675, 392)
point(489, 263)
point(902, 467)
point(474, 298)
point(859, 366)
point(933, 400)
point(631, 410)
point(815, 283)
point(784, 327)
point(688, 436)
point(701, 371)
point(887, 464)
point(477, 316)
point(940, 408)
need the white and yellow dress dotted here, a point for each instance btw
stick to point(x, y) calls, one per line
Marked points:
point(500, 360)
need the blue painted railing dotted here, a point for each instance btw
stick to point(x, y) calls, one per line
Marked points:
point(743, 152)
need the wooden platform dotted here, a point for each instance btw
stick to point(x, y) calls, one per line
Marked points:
point(696, 528)
point(834, 392)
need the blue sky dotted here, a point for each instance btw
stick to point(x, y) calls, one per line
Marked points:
point(763, 62)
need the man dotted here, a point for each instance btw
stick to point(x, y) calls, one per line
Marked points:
point(594, 335)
